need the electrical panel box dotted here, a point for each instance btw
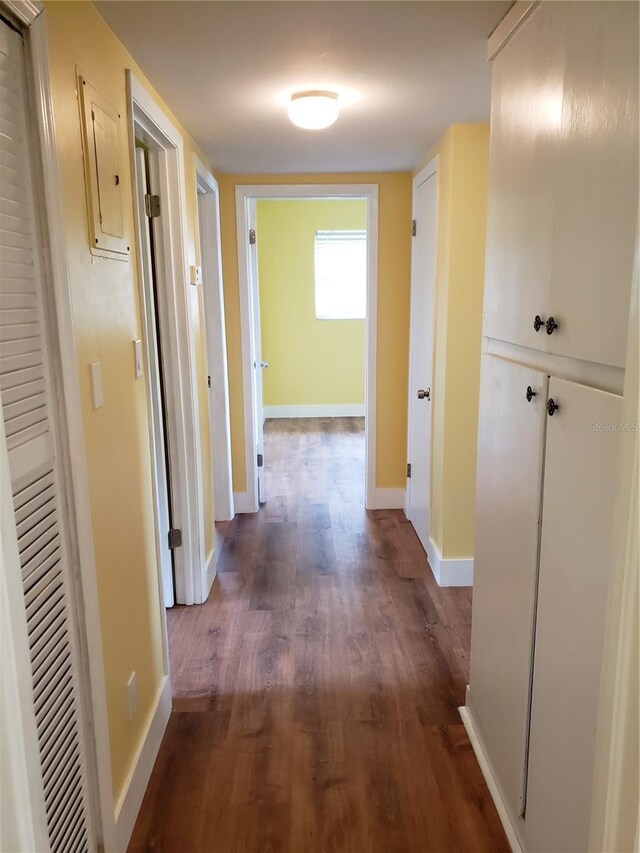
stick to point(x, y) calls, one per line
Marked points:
point(102, 148)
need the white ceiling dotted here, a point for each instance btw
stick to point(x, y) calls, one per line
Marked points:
point(411, 69)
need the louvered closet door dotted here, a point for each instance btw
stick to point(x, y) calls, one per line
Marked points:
point(26, 394)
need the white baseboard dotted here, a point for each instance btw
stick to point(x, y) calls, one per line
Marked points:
point(212, 570)
point(128, 805)
point(466, 714)
point(330, 410)
point(447, 571)
point(386, 499)
point(242, 503)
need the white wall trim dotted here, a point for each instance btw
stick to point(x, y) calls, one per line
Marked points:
point(448, 571)
point(76, 476)
point(135, 786)
point(313, 410)
point(183, 422)
point(512, 21)
point(248, 194)
point(387, 499)
point(243, 502)
point(216, 341)
point(468, 722)
point(212, 570)
point(26, 11)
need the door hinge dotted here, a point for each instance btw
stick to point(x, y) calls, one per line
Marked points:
point(175, 538)
point(408, 470)
point(152, 205)
point(208, 382)
point(413, 228)
point(260, 460)
point(252, 236)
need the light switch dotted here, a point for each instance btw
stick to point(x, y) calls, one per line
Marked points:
point(137, 357)
point(95, 372)
point(195, 275)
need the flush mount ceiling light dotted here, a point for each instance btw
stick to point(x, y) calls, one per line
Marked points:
point(314, 109)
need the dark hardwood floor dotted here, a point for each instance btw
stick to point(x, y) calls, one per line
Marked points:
point(316, 691)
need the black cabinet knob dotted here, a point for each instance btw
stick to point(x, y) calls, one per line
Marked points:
point(552, 406)
point(538, 322)
point(530, 393)
point(551, 325)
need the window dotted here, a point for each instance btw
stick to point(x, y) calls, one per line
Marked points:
point(341, 275)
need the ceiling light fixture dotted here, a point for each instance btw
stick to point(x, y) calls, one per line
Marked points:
point(314, 109)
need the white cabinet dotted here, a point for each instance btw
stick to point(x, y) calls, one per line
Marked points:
point(563, 200)
point(511, 427)
point(564, 181)
point(545, 501)
point(582, 448)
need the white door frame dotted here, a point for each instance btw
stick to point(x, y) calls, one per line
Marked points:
point(148, 123)
point(216, 340)
point(423, 175)
point(246, 195)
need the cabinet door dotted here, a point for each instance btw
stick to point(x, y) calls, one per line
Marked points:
point(596, 182)
point(563, 186)
point(580, 483)
point(509, 482)
point(526, 88)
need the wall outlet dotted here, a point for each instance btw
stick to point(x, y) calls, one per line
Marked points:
point(132, 695)
point(95, 374)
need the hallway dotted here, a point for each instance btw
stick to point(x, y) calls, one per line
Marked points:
point(316, 692)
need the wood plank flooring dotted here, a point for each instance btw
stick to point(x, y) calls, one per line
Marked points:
point(316, 691)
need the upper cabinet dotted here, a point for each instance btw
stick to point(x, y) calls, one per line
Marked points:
point(564, 138)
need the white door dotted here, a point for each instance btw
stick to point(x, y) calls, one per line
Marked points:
point(35, 444)
point(216, 342)
point(580, 492)
point(421, 354)
point(161, 476)
point(256, 347)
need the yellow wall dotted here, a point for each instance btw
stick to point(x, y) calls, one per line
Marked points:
point(462, 204)
point(311, 361)
point(106, 313)
point(394, 270)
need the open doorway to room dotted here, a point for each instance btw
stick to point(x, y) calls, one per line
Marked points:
point(311, 289)
point(308, 277)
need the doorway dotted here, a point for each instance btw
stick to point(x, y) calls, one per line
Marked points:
point(148, 212)
point(208, 194)
point(311, 310)
point(256, 364)
point(173, 391)
point(421, 350)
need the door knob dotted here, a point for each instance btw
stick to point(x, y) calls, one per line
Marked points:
point(263, 364)
point(538, 322)
point(551, 325)
point(424, 395)
point(530, 393)
point(552, 406)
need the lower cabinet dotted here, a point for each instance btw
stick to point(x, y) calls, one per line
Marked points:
point(509, 483)
point(579, 500)
point(547, 448)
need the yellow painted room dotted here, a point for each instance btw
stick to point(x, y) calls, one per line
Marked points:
point(319, 462)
